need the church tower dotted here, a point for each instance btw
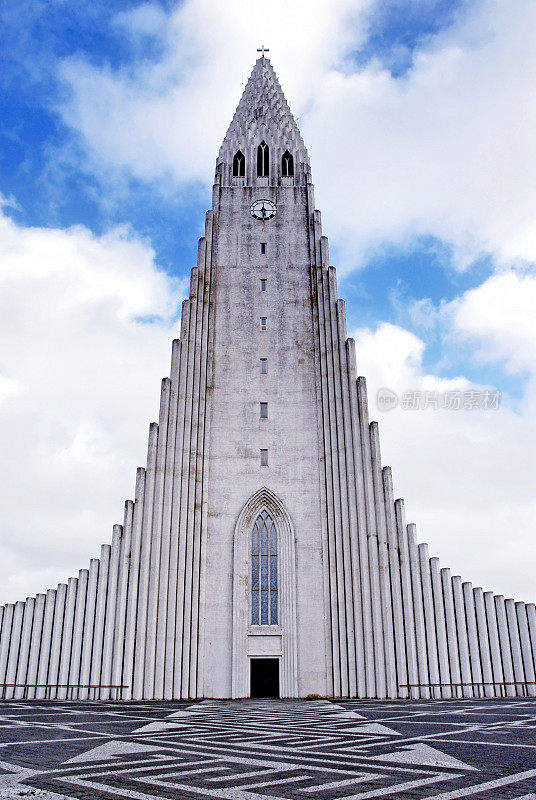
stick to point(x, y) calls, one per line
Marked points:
point(264, 552)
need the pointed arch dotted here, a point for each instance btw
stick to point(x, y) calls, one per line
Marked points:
point(263, 160)
point(287, 165)
point(239, 165)
point(283, 634)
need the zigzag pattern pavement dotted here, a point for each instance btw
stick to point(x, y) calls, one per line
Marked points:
point(269, 750)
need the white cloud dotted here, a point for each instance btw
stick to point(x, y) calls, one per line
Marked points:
point(79, 376)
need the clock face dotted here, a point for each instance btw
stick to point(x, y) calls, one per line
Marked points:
point(263, 209)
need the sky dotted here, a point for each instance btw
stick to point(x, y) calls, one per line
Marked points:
point(419, 119)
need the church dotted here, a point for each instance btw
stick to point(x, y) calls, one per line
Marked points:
point(264, 553)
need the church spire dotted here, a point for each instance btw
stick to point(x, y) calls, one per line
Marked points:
point(262, 117)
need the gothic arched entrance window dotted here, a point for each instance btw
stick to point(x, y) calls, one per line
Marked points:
point(263, 160)
point(239, 165)
point(264, 571)
point(287, 165)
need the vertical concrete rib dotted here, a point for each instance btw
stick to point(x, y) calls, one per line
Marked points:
point(452, 639)
point(57, 638)
point(472, 637)
point(504, 639)
point(122, 595)
point(526, 650)
point(396, 587)
point(531, 620)
point(46, 637)
point(78, 631)
point(14, 649)
point(25, 641)
point(418, 612)
point(483, 641)
point(35, 645)
point(463, 640)
point(7, 622)
point(89, 623)
point(441, 629)
point(100, 612)
point(407, 597)
point(494, 644)
point(429, 619)
point(110, 615)
point(133, 587)
point(67, 638)
point(515, 645)
point(153, 601)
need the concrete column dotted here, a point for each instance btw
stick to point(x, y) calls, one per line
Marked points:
point(463, 641)
point(429, 619)
point(441, 629)
point(396, 588)
point(483, 640)
point(67, 637)
point(57, 636)
point(6, 640)
point(526, 650)
point(531, 619)
point(110, 616)
point(133, 585)
point(26, 637)
point(506, 652)
point(98, 629)
point(89, 623)
point(46, 639)
point(407, 597)
point(122, 594)
point(452, 637)
point(35, 644)
point(418, 612)
point(494, 645)
point(78, 633)
point(515, 646)
point(14, 647)
point(472, 636)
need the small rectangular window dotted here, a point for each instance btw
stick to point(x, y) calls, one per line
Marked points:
point(264, 410)
point(263, 284)
point(263, 248)
point(264, 366)
point(263, 323)
point(264, 458)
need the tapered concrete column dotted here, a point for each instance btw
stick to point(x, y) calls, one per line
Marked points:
point(89, 623)
point(24, 654)
point(396, 588)
point(35, 644)
point(46, 639)
point(67, 637)
point(133, 585)
point(463, 641)
point(452, 636)
point(483, 640)
point(78, 632)
point(57, 636)
point(407, 597)
point(515, 646)
point(494, 645)
point(429, 619)
point(122, 593)
point(441, 629)
point(14, 647)
point(110, 616)
point(526, 650)
point(506, 652)
point(531, 619)
point(418, 611)
point(100, 610)
point(472, 636)
point(6, 639)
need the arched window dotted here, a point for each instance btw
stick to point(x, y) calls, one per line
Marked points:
point(287, 165)
point(263, 160)
point(264, 571)
point(239, 165)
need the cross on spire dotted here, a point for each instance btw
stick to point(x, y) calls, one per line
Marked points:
point(262, 50)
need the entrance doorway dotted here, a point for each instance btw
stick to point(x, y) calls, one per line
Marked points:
point(264, 677)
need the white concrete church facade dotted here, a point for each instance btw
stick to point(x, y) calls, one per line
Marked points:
point(264, 551)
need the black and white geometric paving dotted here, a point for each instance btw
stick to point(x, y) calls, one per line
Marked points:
point(269, 749)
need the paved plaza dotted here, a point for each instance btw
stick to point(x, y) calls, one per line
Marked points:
point(255, 749)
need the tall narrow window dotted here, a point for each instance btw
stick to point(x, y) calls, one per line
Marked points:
point(263, 160)
point(264, 321)
point(264, 571)
point(264, 458)
point(263, 248)
point(263, 284)
point(264, 366)
point(287, 165)
point(264, 410)
point(239, 165)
